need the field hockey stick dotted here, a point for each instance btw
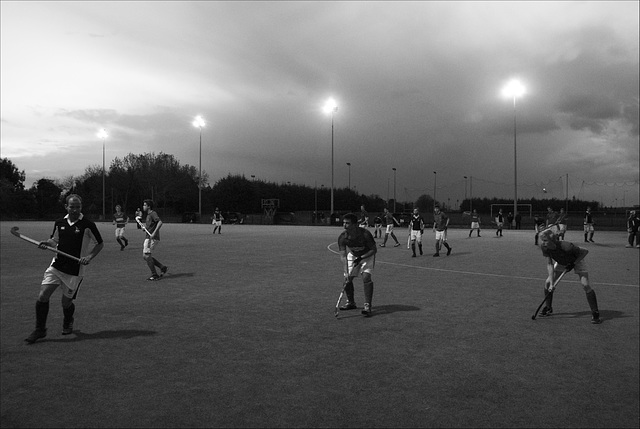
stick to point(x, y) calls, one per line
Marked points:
point(546, 295)
point(142, 226)
point(15, 232)
point(409, 241)
point(344, 286)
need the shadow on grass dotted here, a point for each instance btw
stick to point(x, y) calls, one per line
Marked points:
point(171, 275)
point(379, 310)
point(604, 315)
point(103, 335)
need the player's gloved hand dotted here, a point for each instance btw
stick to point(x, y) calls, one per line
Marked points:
point(43, 245)
point(356, 261)
point(569, 267)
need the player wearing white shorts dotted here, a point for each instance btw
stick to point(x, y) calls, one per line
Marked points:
point(216, 221)
point(416, 229)
point(120, 221)
point(72, 234)
point(152, 237)
point(358, 254)
point(475, 222)
point(562, 224)
point(440, 225)
point(588, 226)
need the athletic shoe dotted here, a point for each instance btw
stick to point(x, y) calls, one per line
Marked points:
point(595, 318)
point(436, 254)
point(383, 245)
point(628, 246)
point(591, 240)
point(36, 335)
point(366, 311)
point(349, 306)
point(546, 311)
point(154, 278)
point(396, 245)
point(163, 270)
point(121, 248)
point(67, 328)
point(413, 256)
point(449, 251)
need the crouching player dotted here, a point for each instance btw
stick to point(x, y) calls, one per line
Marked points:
point(358, 250)
point(563, 255)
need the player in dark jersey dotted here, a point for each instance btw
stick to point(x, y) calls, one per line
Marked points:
point(588, 226)
point(72, 234)
point(475, 223)
point(358, 255)
point(538, 226)
point(377, 225)
point(440, 226)
point(563, 255)
point(416, 230)
point(216, 220)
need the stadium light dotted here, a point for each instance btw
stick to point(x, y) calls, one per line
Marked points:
point(331, 107)
point(514, 89)
point(394, 190)
point(198, 122)
point(102, 134)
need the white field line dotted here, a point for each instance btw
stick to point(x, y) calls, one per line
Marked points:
point(378, 261)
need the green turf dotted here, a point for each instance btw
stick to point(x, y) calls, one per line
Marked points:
point(242, 333)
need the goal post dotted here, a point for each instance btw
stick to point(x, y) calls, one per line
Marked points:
point(509, 206)
point(270, 207)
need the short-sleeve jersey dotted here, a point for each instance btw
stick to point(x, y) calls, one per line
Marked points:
point(565, 252)
point(74, 239)
point(475, 217)
point(552, 217)
point(151, 222)
point(440, 221)
point(588, 218)
point(120, 219)
point(364, 216)
point(417, 223)
point(500, 217)
point(359, 242)
point(217, 216)
point(377, 220)
point(562, 218)
point(388, 218)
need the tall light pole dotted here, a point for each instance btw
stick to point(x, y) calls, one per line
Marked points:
point(394, 190)
point(331, 107)
point(435, 180)
point(349, 164)
point(514, 89)
point(198, 122)
point(465, 187)
point(103, 135)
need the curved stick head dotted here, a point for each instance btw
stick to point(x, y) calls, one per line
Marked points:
point(14, 231)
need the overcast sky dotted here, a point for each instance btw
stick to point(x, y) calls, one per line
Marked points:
point(418, 86)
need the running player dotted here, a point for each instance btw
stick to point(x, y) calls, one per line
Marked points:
point(120, 221)
point(563, 255)
point(72, 234)
point(358, 255)
point(416, 229)
point(389, 220)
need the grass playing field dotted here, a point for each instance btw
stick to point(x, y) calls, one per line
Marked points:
point(242, 333)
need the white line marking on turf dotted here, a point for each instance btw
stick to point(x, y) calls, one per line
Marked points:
point(476, 273)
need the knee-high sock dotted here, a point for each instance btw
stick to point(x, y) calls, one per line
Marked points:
point(368, 292)
point(348, 289)
point(593, 302)
point(68, 313)
point(42, 311)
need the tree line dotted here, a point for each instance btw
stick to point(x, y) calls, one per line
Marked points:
point(174, 188)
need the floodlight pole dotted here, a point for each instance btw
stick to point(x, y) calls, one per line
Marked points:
point(394, 190)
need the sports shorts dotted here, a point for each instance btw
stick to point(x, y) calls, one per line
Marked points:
point(120, 232)
point(389, 229)
point(148, 246)
point(68, 282)
point(580, 267)
point(416, 235)
point(366, 265)
point(441, 235)
point(562, 228)
point(588, 227)
point(475, 225)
